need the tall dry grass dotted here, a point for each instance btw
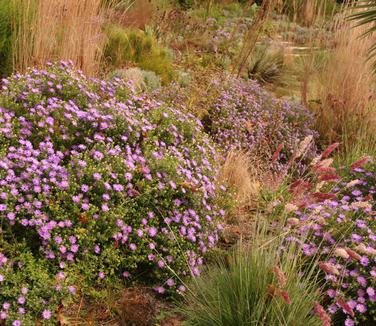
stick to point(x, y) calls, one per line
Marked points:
point(346, 88)
point(243, 176)
point(69, 30)
point(49, 30)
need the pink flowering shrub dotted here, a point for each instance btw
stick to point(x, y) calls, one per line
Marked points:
point(338, 227)
point(245, 116)
point(97, 179)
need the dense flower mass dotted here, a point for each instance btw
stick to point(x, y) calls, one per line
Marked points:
point(96, 177)
point(245, 116)
point(341, 232)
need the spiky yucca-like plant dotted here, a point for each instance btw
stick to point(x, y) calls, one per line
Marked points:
point(365, 14)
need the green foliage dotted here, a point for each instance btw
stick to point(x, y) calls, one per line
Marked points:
point(29, 286)
point(266, 65)
point(245, 290)
point(141, 79)
point(6, 14)
point(222, 13)
point(186, 3)
point(136, 47)
point(184, 78)
point(366, 15)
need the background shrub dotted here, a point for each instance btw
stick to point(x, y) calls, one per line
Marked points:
point(96, 180)
point(136, 47)
point(141, 79)
point(5, 37)
point(245, 116)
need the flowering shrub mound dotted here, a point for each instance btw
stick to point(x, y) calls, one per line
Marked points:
point(340, 229)
point(245, 116)
point(96, 179)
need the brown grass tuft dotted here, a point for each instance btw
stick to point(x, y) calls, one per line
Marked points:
point(242, 175)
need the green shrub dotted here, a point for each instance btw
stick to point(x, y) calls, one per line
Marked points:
point(137, 47)
point(186, 4)
point(141, 79)
point(30, 290)
point(255, 286)
point(5, 37)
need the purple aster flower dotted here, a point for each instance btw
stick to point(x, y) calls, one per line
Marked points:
point(152, 231)
point(160, 289)
point(349, 322)
point(370, 291)
point(97, 176)
point(21, 300)
point(361, 308)
point(71, 289)
point(46, 314)
point(170, 282)
point(118, 187)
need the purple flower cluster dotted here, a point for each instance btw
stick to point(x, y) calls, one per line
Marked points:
point(26, 287)
point(244, 116)
point(95, 177)
point(341, 232)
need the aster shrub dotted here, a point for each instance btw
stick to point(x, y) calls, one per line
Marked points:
point(245, 116)
point(29, 290)
point(334, 219)
point(97, 179)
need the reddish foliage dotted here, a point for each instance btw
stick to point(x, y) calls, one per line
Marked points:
point(321, 313)
point(285, 296)
point(343, 304)
point(353, 254)
point(323, 170)
point(277, 152)
point(329, 150)
point(329, 268)
point(329, 177)
point(321, 197)
point(361, 162)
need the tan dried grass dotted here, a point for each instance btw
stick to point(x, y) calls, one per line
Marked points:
point(50, 30)
point(243, 177)
point(347, 87)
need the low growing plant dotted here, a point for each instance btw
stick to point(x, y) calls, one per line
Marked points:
point(259, 285)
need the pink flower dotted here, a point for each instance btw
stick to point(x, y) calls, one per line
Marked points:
point(46, 314)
